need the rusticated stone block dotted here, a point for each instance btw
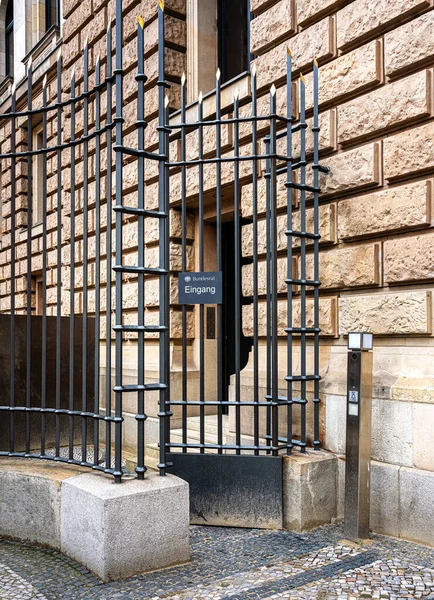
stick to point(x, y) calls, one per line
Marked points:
point(357, 266)
point(388, 210)
point(247, 196)
point(315, 9)
point(409, 259)
point(363, 18)
point(409, 45)
point(409, 152)
point(404, 101)
point(263, 109)
point(327, 317)
point(175, 31)
point(152, 292)
point(272, 26)
point(316, 41)
point(386, 314)
point(326, 137)
point(257, 6)
point(355, 169)
point(355, 71)
point(152, 227)
point(327, 228)
point(282, 274)
point(152, 317)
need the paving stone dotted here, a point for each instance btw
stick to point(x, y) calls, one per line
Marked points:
point(237, 564)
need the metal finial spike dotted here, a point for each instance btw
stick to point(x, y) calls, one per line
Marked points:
point(29, 64)
point(200, 97)
point(14, 88)
point(273, 90)
point(288, 50)
point(236, 94)
point(141, 22)
point(44, 81)
point(166, 101)
point(98, 60)
point(254, 71)
point(315, 62)
point(72, 74)
point(218, 74)
point(302, 78)
point(59, 53)
point(161, 5)
point(86, 44)
point(183, 79)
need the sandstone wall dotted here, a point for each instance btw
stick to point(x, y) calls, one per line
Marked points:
point(376, 262)
point(377, 259)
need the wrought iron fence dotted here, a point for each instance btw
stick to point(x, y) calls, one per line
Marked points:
point(57, 400)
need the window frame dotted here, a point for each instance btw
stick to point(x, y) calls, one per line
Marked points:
point(9, 39)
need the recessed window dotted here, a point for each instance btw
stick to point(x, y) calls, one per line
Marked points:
point(46, 14)
point(37, 177)
point(9, 39)
point(233, 28)
point(217, 36)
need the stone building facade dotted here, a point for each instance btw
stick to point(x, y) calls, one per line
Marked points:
point(377, 249)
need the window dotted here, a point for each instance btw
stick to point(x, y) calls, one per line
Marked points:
point(232, 23)
point(217, 35)
point(9, 39)
point(37, 176)
point(46, 14)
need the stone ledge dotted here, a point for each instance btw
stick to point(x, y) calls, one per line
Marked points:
point(115, 531)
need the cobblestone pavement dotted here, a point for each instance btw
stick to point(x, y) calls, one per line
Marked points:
point(237, 564)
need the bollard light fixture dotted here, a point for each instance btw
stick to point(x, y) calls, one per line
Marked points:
point(360, 341)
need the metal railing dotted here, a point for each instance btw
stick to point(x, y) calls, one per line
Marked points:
point(57, 402)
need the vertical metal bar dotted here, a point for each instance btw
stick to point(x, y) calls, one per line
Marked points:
point(184, 263)
point(289, 242)
point(85, 256)
point(119, 244)
point(201, 268)
point(268, 293)
point(96, 408)
point(166, 278)
point(237, 282)
point(303, 265)
point(315, 129)
point(141, 124)
point(59, 251)
point(29, 253)
point(44, 268)
point(109, 207)
point(255, 261)
point(163, 246)
point(72, 277)
point(274, 290)
point(219, 262)
point(13, 278)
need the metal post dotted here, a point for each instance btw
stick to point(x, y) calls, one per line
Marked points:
point(358, 445)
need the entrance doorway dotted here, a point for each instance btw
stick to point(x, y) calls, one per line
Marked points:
point(228, 311)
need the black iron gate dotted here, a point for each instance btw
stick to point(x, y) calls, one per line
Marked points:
point(61, 399)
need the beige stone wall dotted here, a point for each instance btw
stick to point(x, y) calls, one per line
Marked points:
point(377, 129)
point(376, 252)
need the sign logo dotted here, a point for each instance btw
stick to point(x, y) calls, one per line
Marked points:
point(187, 279)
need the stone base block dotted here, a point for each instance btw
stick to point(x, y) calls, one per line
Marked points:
point(310, 490)
point(118, 531)
point(30, 498)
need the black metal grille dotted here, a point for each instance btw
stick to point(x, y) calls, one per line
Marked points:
point(278, 408)
point(57, 401)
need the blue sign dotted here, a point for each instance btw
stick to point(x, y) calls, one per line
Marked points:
point(200, 288)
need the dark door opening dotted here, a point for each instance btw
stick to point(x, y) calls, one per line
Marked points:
point(228, 311)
